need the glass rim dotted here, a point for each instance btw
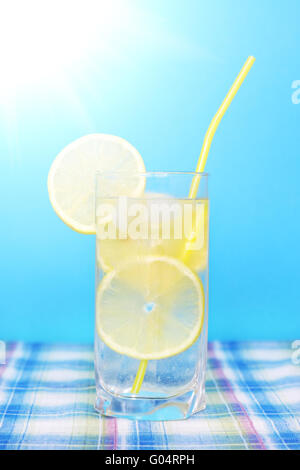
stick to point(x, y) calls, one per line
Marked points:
point(160, 173)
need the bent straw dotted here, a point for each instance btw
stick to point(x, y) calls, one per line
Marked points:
point(215, 123)
point(200, 168)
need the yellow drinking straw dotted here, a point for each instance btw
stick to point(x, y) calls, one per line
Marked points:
point(200, 168)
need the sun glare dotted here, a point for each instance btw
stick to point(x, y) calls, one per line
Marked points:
point(40, 40)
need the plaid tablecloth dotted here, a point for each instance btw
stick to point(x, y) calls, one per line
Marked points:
point(47, 396)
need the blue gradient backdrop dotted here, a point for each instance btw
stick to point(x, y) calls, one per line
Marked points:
point(158, 83)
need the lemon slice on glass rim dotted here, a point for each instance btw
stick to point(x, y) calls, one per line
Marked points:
point(150, 308)
point(71, 179)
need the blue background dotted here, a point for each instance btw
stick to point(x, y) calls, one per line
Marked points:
point(158, 82)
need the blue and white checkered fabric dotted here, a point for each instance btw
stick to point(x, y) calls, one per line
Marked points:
point(47, 395)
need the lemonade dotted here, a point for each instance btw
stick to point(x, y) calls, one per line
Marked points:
point(151, 270)
point(151, 275)
point(151, 297)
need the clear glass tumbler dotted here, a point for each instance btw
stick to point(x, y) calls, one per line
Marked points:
point(151, 294)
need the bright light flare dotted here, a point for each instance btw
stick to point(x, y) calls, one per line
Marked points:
point(43, 39)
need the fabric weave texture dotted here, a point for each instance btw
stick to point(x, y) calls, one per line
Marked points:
point(47, 395)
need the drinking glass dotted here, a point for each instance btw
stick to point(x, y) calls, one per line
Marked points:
point(151, 294)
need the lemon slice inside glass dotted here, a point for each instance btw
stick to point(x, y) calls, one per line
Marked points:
point(150, 308)
point(71, 179)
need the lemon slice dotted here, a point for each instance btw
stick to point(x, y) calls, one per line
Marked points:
point(150, 308)
point(71, 179)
